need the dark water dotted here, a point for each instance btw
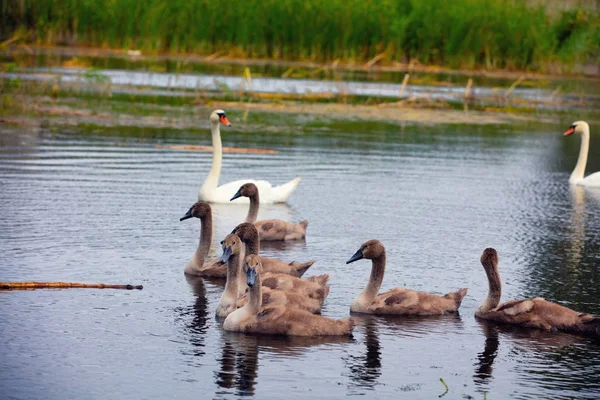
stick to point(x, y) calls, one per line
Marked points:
point(92, 208)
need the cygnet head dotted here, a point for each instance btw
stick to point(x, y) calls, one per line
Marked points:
point(246, 231)
point(489, 258)
point(219, 116)
point(370, 249)
point(246, 190)
point(252, 267)
point(231, 245)
point(577, 127)
point(198, 210)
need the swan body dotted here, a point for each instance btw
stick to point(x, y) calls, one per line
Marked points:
point(213, 193)
point(398, 301)
point(577, 176)
point(314, 287)
point(233, 255)
point(284, 298)
point(278, 320)
point(530, 313)
point(198, 265)
point(249, 235)
point(271, 229)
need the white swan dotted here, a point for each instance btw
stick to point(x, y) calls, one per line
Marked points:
point(209, 191)
point(577, 174)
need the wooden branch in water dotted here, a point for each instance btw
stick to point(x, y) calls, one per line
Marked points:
point(513, 86)
point(404, 82)
point(468, 88)
point(374, 60)
point(63, 285)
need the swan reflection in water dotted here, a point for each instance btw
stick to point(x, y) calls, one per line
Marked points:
point(240, 354)
point(541, 344)
point(197, 327)
point(365, 368)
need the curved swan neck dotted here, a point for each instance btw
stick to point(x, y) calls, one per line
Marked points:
point(495, 289)
point(233, 275)
point(255, 296)
point(241, 278)
point(212, 180)
point(252, 246)
point(205, 240)
point(376, 279)
point(253, 210)
point(579, 170)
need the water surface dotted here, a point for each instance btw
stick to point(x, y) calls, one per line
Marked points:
point(86, 207)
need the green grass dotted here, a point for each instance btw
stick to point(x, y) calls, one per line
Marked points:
point(505, 34)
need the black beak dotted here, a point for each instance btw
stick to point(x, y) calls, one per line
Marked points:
point(187, 215)
point(357, 256)
point(237, 194)
point(251, 277)
point(226, 254)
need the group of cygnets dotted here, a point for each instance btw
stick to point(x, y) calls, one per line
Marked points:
point(268, 296)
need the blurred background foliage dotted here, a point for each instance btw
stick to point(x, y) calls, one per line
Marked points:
point(491, 34)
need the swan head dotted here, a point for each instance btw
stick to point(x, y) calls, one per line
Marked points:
point(252, 268)
point(246, 190)
point(231, 245)
point(577, 127)
point(370, 250)
point(246, 232)
point(489, 258)
point(198, 210)
point(219, 116)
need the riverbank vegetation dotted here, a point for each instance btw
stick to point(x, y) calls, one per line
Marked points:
point(489, 34)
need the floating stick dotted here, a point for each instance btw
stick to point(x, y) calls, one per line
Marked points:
point(468, 88)
point(404, 82)
point(513, 86)
point(374, 60)
point(63, 285)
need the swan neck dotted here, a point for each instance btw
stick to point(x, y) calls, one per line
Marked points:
point(376, 278)
point(252, 246)
point(212, 180)
point(205, 240)
point(233, 273)
point(579, 170)
point(495, 289)
point(241, 278)
point(255, 296)
point(253, 210)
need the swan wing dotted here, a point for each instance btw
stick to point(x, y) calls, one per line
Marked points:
point(273, 229)
point(516, 307)
point(409, 302)
point(592, 180)
point(395, 301)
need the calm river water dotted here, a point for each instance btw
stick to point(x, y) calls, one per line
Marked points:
point(88, 207)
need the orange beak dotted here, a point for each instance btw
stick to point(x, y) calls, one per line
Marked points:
point(569, 131)
point(224, 120)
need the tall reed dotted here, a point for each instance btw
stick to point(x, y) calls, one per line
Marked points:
point(457, 33)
